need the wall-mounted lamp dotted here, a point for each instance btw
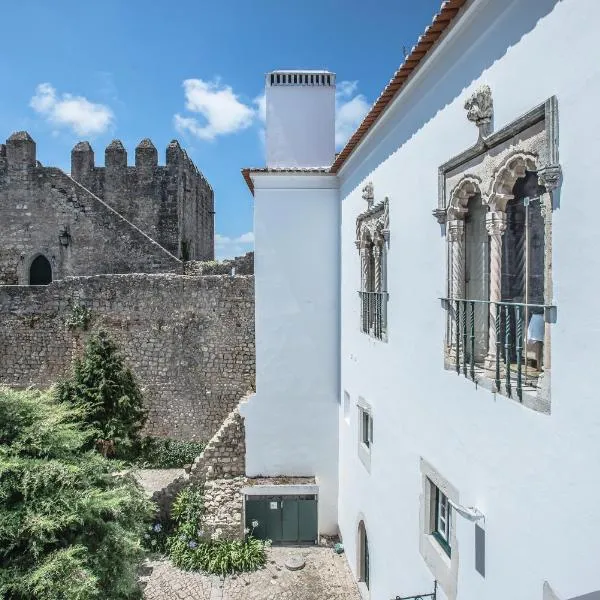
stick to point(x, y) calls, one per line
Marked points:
point(64, 237)
point(470, 513)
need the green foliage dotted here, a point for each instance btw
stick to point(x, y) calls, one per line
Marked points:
point(190, 549)
point(70, 524)
point(163, 453)
point(108, 392)
point(80, 317)
point(156, 537)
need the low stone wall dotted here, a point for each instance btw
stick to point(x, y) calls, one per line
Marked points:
point(189, 340)
point(220, 469)
point(243, 265)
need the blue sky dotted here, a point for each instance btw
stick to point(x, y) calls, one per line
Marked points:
point(192, 70)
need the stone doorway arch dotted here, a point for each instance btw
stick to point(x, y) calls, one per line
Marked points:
point(40, 271)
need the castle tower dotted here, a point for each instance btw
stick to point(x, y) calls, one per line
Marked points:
point(300, 128)
point(20, 151)
point(292, 420)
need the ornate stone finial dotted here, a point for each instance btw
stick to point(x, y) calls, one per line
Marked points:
point(480, 110)
point(550, 177)
point(368, 194)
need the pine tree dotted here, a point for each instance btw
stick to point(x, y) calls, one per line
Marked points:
point(109, 394)
point(70, 524)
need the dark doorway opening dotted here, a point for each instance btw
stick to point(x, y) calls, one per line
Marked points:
point(40, 271)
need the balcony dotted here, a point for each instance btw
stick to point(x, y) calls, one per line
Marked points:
point(502, 342)
point(373, 314)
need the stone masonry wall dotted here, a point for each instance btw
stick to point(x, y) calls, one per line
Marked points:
point(173, 204)
point(189, 340)
point(220, 469)
point(38, 204)
point(243, 265)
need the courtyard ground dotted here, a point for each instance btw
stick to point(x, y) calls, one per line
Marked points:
point(325, 576)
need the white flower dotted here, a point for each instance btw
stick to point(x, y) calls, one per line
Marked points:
point(255, 523)
point(157, 527)
point(246, 530)
point(147, 535)
point(153, 542)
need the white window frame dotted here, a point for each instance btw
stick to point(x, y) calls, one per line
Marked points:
point(443, 562)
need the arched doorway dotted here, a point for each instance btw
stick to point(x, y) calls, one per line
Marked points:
point(40, 271)
point(363, 555)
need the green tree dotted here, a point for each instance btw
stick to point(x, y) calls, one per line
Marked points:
point(70, 523)
point(109, 394)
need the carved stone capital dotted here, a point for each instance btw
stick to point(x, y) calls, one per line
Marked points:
point(550, 177)
point(439, 214)
point(368, 194)
point(456, 230)
point(495, 223)
point(480, 110)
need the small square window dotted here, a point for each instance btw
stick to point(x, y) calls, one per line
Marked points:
point(365, 433)
point(443, 518)
point(367, 429)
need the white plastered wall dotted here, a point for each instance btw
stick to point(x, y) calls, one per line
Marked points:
point(534, 476)
point(291, 421)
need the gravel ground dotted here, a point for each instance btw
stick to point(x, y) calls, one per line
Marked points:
point(326, 576)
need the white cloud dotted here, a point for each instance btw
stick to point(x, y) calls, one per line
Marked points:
point(228, 247)
point(76, 112)
point(221, 110)
point(350, 109)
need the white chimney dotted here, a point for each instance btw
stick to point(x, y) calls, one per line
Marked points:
point(300, 118)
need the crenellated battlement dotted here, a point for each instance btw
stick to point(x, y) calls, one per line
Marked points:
point(173, 203)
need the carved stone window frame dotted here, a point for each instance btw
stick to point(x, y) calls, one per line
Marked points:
point(372, 241)
point(508, 153)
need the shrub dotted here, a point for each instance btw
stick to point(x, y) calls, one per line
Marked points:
point(189, 547)
point(164, 453)
point(109, 394)
point(70, 524)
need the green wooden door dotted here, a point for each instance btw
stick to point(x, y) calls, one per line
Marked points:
point(289, 524)
point(307, 520)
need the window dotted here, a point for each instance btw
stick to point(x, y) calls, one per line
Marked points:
point(437, 540)
point(367, 429)
point(365, 433)
point(372, 231)
point(497, 214)
point(443, 516)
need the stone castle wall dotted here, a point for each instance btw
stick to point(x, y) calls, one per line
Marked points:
point(173, 204)
point(38, 204)
point(189, 340)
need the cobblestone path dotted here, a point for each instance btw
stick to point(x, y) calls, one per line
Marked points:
point(326, 576)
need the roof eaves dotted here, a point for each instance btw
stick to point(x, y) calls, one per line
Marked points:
point(427, 40)
point(247, 172)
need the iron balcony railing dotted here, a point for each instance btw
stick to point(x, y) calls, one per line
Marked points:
point(373, 313)
point(513, 331)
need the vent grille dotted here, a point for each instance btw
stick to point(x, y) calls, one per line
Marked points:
point(301, 78)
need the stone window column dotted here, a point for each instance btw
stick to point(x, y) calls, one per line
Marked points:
point(495, 223)
point(550, 177)
point(377, 282)
point(364, 268)
point(456, 237)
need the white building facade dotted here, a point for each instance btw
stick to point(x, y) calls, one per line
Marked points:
point(447, 357)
